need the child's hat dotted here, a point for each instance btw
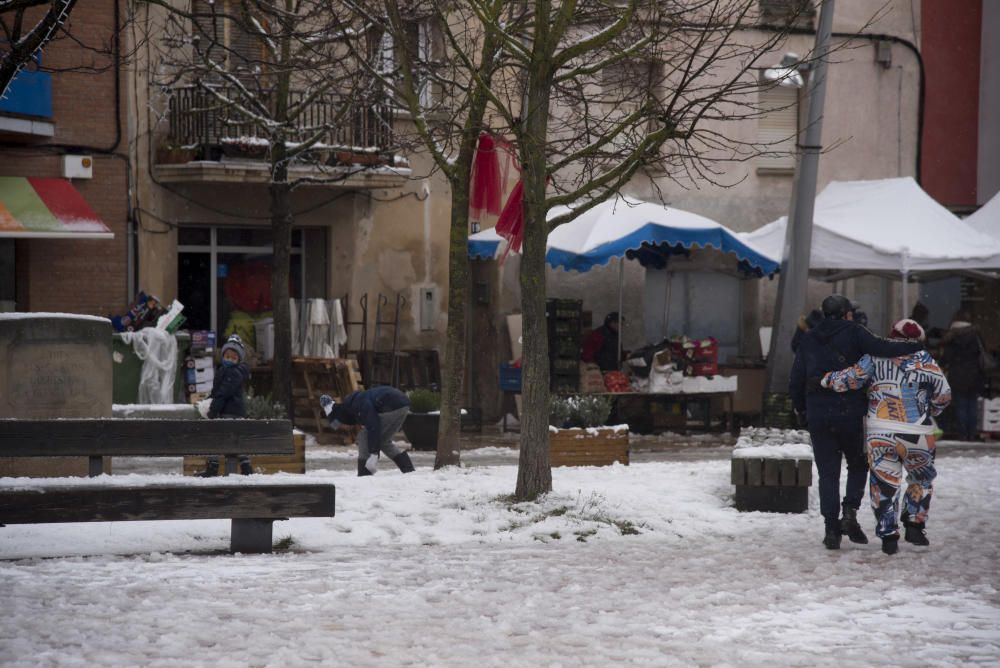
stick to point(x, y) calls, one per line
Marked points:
point(235, 343)
point(907, 329)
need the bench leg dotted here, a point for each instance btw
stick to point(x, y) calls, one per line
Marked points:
point(251, 536)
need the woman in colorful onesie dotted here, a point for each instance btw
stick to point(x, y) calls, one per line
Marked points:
point(904, 394)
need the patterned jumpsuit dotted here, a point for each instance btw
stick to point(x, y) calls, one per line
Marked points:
point(904, 393)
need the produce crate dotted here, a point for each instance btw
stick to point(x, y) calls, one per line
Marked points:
point(564, 308)
point(510, 377)
point(565, 383)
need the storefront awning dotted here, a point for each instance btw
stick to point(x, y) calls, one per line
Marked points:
point(37, 208)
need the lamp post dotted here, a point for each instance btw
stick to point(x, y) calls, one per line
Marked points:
point(794, 278)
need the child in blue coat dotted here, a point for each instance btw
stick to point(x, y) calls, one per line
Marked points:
point(227, 396)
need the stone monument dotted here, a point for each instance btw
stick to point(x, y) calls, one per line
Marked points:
point(54, 365)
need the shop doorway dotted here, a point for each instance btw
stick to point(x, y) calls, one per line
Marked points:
point(224, 275)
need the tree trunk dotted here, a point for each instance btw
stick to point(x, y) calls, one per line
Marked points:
point(534, 473)
point(450, 426)
point(281, 227)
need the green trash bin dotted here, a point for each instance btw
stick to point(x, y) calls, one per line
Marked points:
point(128, 369)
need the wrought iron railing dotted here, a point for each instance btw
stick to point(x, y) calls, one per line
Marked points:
point(199, 118)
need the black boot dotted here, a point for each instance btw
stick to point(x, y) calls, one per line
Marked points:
point(915, 531)
point(849, 526)
point(890, 544)
point(363, 470)
point(245, 467)
point(211, 469)
point(832, 538)
point(403, 462)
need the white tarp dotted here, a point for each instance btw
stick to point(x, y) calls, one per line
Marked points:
point(987, 219)
point(884, 225)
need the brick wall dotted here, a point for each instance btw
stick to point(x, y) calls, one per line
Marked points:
point(88, 275)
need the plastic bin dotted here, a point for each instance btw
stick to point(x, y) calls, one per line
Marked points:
point(263, 330)
point(510, 378)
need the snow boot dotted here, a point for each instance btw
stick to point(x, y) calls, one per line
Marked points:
point(363, 470)
point(832, 538)
point(211, 469)
point(245, 467)
point(890, 544)
point(849, 526)
point(915, 531)
point(402, 460)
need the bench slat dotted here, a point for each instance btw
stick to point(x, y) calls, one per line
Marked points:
point(86, 503)
point(137, 438)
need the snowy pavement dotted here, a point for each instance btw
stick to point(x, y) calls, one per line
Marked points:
point(641, 565)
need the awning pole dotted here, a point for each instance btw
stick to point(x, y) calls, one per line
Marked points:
point(621, 293)
point(906, 283)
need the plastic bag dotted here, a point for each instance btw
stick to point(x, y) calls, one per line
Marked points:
point(158, 351)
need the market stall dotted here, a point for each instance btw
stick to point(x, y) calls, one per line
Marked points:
point(656, 236)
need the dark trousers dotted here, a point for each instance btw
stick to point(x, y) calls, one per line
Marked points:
point(833, 439)
point(966, 413)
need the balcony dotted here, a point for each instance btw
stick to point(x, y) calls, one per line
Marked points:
point(207, 142)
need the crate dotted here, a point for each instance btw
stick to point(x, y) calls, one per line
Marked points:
point(588, 447)
point(564, 308)
point(704, 369)
point(565, 366)
point(565, 383)
point(565, 328)
point(510, 377)
point(565, 348)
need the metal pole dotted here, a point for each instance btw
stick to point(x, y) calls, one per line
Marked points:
point(621, 291)
point(794, 278)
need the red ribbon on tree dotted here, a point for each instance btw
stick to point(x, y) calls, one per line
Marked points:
point(510, 224)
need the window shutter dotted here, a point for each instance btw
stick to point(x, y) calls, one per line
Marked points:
point(777, 129)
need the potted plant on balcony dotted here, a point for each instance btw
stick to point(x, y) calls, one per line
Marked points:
point(245, 147)
point(169, 153)
point(421, 425)
point(578, 435)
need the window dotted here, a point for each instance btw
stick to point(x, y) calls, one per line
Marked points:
point(224, 273)
point(777, 129)
point(420, 43)
point(223, 40)
point(797, 13)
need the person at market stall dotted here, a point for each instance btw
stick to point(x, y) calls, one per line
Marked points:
point(836, 420)
point(601, 345)
point(905, 394)
point(226, 398)
point(962, 353)
point(806, 322)
point(381, 411)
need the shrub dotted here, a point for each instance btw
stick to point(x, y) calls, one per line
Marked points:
point(579, 411)
point(264, 408)
point(424, 401)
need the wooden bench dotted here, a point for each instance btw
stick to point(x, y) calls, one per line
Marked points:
point(251, 504)
point(771, 484)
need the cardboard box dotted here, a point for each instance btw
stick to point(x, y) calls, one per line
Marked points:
point(203, 339)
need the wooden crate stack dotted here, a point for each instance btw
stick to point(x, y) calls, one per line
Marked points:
point(564, 318)
point(313, 377)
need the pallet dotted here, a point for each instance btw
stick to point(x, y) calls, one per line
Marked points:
point(313, 377)
point(291, 463)
point(588, 447)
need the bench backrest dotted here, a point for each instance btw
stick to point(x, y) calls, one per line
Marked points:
point(143, 438)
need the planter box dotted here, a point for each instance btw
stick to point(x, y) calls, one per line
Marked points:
point(771, 485)
point(588, 447)
point(294, 463)
point(174, 155)
point(421, 430)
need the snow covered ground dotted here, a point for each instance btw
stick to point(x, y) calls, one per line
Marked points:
point(640, 565)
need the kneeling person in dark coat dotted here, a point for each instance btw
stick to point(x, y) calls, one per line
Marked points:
point(381, 411)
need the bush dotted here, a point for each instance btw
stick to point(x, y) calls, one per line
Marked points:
point(424, 401)
point(264, 408)
point(579, 411)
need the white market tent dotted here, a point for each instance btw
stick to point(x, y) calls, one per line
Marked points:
point(987, 218)
point(888, 226)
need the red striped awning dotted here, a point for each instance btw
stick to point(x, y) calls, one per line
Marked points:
point(37, 208)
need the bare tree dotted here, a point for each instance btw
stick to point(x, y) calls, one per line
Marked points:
point(602, 93)
point(275, 74)
point(438, 65)
point(22, 43)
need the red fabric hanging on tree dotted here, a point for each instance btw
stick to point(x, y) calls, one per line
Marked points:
point(510, 224)
point(485, 183)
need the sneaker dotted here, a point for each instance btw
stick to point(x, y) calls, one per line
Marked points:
point(849, 526)
point(831, 540)
point(890, 544)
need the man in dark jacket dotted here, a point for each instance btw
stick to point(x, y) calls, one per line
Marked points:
point(961, 354)
point(381, 411)
point(601, 345)
point(836, 420)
